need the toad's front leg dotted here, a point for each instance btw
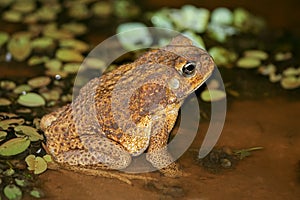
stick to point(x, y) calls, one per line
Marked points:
point(158, 154)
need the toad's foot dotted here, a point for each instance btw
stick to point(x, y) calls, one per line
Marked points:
point(124, 177)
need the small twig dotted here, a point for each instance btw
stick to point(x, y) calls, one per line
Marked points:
point(249, 149)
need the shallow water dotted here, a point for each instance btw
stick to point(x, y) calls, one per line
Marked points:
point(270, 173)
point(264, 115)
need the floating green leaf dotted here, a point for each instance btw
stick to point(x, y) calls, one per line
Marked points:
point(30, 161)
point(8, 115)
point(281, 56)
point(22, 88)
point(40, 165)
point(9, 172)
point(140, 39)
point(197, 40)
point(75, 28)
point(46, 13)
point(259, 54)
point(7, 85)
point(5, 124)
point(222, 16)
point(248, 62)
point(79, 11)
point(19, 47)
point(69, 55)
point(213, 95)
point(291, 71)
point(53, 64)
point(29, 131)
point(3, 38)
point(38, 82)
point(2, 135)
point(191, 17)
point(222, 56)
point(51, 31)
point(12, 192)
point(47, 158)
point(94, 63)
point(102, 8)
point(72, 67)
point(20, 182)
point(42, 43)
point(24, 6)
point(77, 45)
point(31, 100)
point(12, 16)
point(4, 102)
point(290, 82)
point(14, 146)
point(36, 164)
point(36, 60)
point(37, 193)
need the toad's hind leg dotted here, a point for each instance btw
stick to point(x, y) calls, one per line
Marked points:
point(99, 154)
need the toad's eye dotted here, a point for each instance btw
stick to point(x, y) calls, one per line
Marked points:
point(189, 69)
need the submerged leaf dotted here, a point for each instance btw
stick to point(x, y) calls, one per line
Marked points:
point(14, 146)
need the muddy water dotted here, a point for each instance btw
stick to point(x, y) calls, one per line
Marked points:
point(270, 173)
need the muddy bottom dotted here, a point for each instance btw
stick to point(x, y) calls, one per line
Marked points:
point(271, 173)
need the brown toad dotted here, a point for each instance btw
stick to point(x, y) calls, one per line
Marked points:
point(128, 111)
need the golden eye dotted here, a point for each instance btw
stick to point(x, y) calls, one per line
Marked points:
point(189, 69)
